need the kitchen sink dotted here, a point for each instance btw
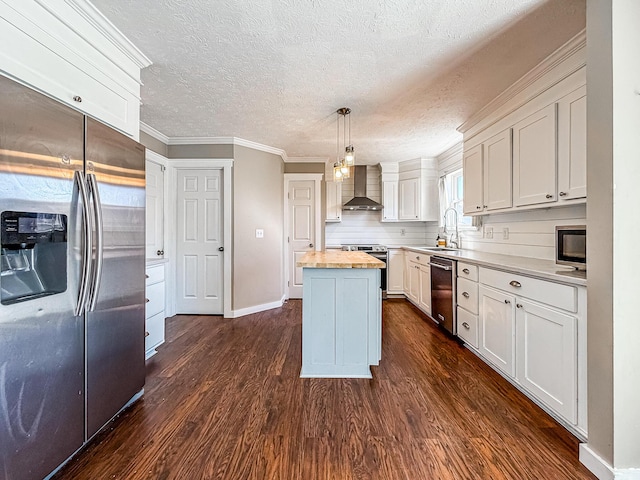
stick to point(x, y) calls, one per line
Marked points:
point(437, 249)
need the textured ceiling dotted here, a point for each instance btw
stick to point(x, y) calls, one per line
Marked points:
point(275, 71)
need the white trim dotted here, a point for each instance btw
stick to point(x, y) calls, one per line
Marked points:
point(156, 157)
point(601, 469)
point(241, 142)
point(226, 166)
point(107, 29)
point(256, 308)
point(528, 79)
point(149, 130)
point(289, 177)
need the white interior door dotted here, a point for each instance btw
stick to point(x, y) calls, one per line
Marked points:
point(199, 288)
point(155, 210)
point(302, 234)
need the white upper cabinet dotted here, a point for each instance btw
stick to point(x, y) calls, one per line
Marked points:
point(526, 149)
point(497, 171)
point(390, 201)
point(409, 199)
point(334, 201)
point(534, 158)
point(72, 53)
point(572, 145)
point(473, 180)
point(487, 174)
point(154, 206)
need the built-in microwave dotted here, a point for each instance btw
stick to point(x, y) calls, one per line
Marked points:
point(571, 246)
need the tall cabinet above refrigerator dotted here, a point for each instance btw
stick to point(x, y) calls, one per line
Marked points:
point(71, 279)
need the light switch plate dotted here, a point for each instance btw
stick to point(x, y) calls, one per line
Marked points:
point(259, 233)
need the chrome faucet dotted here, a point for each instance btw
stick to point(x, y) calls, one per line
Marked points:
point(455, 235)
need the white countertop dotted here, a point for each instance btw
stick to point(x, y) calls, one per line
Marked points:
point(534, 267)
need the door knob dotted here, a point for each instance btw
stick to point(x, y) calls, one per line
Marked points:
point(221, 249)
point(311, 245)
point(160, 252)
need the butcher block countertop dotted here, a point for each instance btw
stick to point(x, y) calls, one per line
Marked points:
point(339, 259)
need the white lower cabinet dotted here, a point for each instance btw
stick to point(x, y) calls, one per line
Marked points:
point(417, 287)
point(425, 288)
point(154, 311)
point(497, 329)
point(546, 345)
point(395, 271)
point(538, 343)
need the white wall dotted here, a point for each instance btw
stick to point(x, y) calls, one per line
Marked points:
point(366, 227)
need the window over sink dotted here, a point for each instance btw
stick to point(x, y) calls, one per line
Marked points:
point(452, 196)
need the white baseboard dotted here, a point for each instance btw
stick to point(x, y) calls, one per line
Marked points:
point(256, 308)
point(601, 469)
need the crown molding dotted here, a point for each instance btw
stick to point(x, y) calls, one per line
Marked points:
point(149, 130)
point(528, 79)
point(101, 23)
point(308, 159)
point(451, 152)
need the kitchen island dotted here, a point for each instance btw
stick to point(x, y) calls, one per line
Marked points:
point(341, 314)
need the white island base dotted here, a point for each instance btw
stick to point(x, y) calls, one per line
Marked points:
point(341, 321)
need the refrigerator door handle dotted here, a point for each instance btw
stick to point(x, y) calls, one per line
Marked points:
point(97, 212)
point(88, 241)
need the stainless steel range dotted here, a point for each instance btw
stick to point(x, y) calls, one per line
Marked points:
point(377, 251)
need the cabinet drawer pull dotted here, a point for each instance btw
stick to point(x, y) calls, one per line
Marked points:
point(549, 196)
point(515, 283)
point(465, 294)
point(465, 270)
point(466, 325)
point(518, 305)
point(484, 206)
point(146, 334)
point(507, 301)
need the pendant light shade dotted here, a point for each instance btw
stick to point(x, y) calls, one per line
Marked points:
point(343, 164)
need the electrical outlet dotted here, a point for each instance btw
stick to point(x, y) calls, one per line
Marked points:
point(505, 233)
point(402, 232)
point(488, 232)
point(259, 233)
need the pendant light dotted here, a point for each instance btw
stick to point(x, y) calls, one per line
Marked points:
point(341, 168)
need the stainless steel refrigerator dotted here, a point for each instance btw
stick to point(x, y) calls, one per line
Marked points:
point(72, 206)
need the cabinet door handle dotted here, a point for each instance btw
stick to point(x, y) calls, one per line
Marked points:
point(478, 207)
point(484, 206)
point(563, 194)
point(465, 270)
point(146, 300)
point(515, 283)
point(466, 325)
point(77, 98)
point(146, 334)
point(146, 276)
point(518, 305)
point(507, 301)
point(465, 294)
point(549, 195)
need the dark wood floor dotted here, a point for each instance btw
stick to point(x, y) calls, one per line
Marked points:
point(223, 400)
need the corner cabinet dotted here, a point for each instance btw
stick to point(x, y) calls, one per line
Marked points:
point(572, 145)
point(333, 196)
point(67, 54)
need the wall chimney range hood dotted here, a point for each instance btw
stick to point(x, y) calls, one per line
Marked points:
point(360, 201)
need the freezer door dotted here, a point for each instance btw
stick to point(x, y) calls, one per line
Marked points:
point(115, 326)
point(41, 341)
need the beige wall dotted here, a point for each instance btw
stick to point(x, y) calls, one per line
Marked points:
point(154, 144)
point(295, 167)
point(201, 151)
point(613, 175)
point(258, 202)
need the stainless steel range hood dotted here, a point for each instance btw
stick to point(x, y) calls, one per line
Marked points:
point(360, 201)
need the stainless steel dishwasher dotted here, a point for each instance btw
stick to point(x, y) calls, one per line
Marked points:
point(443, 292)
